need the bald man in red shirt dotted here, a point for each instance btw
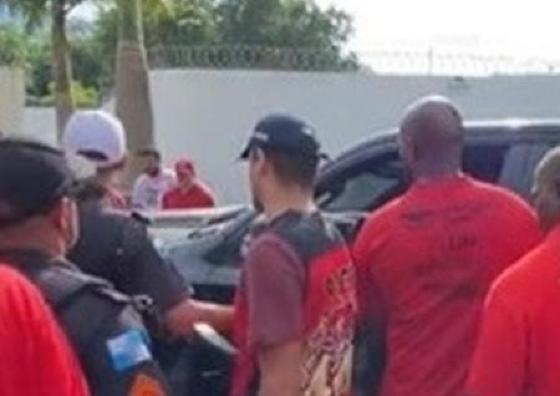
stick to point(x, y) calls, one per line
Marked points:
point(426, 260)
point(36, 359)
point(519, 345)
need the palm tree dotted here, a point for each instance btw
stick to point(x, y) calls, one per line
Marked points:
point(134, 106)
point(35, 12)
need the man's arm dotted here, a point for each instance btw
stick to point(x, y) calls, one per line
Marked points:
point(181, 317)
point(138, 193)
point(275, 282)
point(370, 356)
point(280, 374)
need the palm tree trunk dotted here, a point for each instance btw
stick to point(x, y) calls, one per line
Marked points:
point(62, 69)
point(134, 106)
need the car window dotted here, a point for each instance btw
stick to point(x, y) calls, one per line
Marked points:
point(485, 161)
point(366, 185)
point(373, 182)
point(520, 164)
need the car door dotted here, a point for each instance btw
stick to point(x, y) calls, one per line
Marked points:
point(372, 181)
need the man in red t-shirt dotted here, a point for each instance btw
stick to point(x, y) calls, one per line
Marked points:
point(519, 345)
point(36, 359)
point(190, 192)
point(426, 260)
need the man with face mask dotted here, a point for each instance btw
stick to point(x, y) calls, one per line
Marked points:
point(519, 344)
point(295, 308)
point(38, 225)
point(426, 260)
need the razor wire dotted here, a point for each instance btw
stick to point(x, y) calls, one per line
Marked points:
point(381, 62)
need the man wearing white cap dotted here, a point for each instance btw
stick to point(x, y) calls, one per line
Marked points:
point(99, 138)
point(116, 247)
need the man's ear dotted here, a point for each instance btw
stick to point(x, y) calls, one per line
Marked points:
point(261, 164)
point(57, 215)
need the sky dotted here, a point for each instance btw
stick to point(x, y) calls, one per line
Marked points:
point(519, 28)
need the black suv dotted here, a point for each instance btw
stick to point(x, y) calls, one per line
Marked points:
point(355, 183)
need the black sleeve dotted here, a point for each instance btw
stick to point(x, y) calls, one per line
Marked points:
point(146, 272)
point(113, 347)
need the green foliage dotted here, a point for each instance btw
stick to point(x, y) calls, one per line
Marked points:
point(283, 23)
point(288, 24)
point(13, 46)
point(85, 97)
point(299, 24)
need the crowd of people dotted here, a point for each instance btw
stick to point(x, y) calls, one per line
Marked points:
point(158, 188)
point(452, 287)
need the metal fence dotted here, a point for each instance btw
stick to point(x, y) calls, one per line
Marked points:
point(250, 57)
point(304, 59)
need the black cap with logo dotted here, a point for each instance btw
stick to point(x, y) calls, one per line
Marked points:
point(284, 133)
point(33, 178)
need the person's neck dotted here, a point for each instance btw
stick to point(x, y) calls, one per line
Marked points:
point(185, 188)
point(282, 202)
point(434, 175)
point(154, 172)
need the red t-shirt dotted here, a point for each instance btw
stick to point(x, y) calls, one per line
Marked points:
point(519, 345)
point(425, 263)
point(35, 357)
point(198, 196)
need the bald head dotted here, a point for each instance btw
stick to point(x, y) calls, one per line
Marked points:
point(432, 136)
point(546, 189)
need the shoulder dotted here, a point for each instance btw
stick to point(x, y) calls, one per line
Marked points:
point(516, 285)
point(15, 286)
point(307, 234)
point(10, 276)
point(171, 192)
point(202, 188)
point(64, 285)
point(380, 219)
point(113, 223)
point(141, 180)
point(269, 244)
point(500, 195)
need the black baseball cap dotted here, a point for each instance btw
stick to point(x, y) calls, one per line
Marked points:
point(284, 133)
point(33, 178)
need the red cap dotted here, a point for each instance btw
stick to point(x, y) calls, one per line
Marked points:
point(184, 166)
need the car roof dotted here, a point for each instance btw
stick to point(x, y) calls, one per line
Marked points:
point(498, 131)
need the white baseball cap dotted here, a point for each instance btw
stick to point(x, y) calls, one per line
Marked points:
point(96, 136)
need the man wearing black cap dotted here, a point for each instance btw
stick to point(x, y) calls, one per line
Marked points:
point(38, 224)
point(295, 307)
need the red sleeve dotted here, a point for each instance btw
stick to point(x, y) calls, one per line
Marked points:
point(209, 199)
point(528, 233)
point(33, 342)
point(275, 282)
point(498, 365)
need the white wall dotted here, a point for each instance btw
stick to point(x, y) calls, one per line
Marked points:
point(12, 100)
point(207, 115)
point(40, 124)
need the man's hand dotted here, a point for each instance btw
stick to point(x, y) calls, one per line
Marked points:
point(181, 318)
point(280, 369)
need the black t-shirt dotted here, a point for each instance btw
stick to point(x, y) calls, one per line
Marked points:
point(117, 248)
point(105, 331)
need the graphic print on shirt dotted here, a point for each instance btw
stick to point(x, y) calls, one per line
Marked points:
point(328, 350)
point(451, 265)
